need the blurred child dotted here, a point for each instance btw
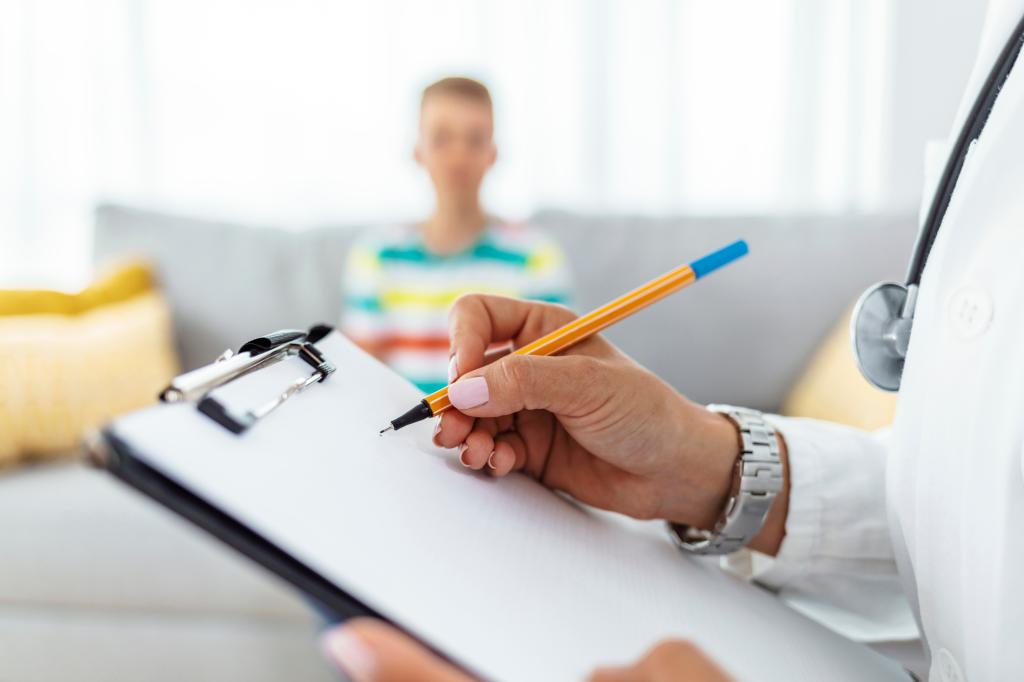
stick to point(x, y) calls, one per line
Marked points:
point(399, 282)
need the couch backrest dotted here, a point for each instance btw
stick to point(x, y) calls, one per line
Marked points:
point(740, 336)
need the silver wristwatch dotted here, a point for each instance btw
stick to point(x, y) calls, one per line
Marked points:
point(759, 471)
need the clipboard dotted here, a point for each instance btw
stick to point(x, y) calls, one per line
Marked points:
point(597, 589)
point(106, 450)
point(117, 457)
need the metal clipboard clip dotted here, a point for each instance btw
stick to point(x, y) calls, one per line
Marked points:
point(255, 355)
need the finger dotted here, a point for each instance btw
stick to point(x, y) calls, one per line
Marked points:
point(509, 454)
point(665, 662)
point(505, 422)
point(437, 431)
point(537, 429)
point(672, 659)
point(475, 321)
point(477, 449)
point(452, 426)
point(569, 385)
point(455, 426)
point(498, 353)
point(368, 650)
point(617, 674)
point(503, 459)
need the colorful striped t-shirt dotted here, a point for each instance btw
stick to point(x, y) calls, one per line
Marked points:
point(397, 293)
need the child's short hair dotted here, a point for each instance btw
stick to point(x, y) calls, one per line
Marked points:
point(460, 87)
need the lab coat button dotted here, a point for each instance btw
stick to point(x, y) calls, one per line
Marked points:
point(945, 668)
point(970, 311)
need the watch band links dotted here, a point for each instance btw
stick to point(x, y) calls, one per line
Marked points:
point(759, 469)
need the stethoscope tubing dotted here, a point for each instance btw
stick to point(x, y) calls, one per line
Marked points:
point(969, 132)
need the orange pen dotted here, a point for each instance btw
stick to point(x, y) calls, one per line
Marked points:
point(593, 322)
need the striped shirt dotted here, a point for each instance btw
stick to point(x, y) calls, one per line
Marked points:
point(397, 293)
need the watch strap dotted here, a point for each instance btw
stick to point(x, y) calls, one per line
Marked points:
point(759, 469)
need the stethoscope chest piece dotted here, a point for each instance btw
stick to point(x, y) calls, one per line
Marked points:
point(882, 318)
point(880, 331)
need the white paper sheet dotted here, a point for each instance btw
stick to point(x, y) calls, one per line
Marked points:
point(509, 579)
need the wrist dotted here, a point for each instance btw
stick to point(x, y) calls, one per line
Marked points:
point(758, 479)
point(709, 447)
point(723, 453)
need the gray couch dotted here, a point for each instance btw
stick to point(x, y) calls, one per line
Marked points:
point(743, 336)
point(98, 584)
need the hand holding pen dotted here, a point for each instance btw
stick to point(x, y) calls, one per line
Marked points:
point(588, 420)
point(581, 328)
point(572, 411)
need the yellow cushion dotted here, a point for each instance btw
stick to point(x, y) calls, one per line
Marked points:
point(831, 387)
point(120, 284)
point(70, 362)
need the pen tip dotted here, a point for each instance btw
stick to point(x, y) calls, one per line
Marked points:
point(387, 428)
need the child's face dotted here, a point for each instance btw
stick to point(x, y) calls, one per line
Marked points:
point(456, 144)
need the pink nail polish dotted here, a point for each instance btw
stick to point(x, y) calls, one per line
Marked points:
point(453, 370)
point(468, 393)
point(349, 653)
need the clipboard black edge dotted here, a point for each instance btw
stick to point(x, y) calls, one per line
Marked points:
point(120, 460)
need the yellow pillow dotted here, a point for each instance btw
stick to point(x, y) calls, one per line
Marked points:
point(831, 387)
point(120, 284)
point(70, 362)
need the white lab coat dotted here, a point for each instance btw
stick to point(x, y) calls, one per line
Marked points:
point(934, 508)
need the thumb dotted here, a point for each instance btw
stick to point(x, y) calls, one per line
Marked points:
point(368, 650)
point(566, 385)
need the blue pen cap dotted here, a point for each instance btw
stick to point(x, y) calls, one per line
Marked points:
point(724, 256)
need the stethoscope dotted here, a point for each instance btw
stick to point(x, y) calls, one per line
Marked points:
point(884, 314)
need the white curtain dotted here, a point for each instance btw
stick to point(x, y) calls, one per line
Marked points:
point(303, 111)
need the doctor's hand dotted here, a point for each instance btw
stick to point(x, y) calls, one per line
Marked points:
point(589, 421)
point(368, 650)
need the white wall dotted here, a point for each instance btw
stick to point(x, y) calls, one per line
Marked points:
point(301, 111)
point(934, 43)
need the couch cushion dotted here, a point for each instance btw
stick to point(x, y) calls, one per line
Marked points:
point(227, 282)
point(74, 537)
point(58, 645)
point(73, 361)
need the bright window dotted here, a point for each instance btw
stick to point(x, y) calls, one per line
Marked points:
point(304, 111)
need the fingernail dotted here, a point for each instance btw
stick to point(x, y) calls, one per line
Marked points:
point(349, 653)
point(490, 461)
point(468, 393)
point(453, 370)
point(462, 454)
point(437, 428)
